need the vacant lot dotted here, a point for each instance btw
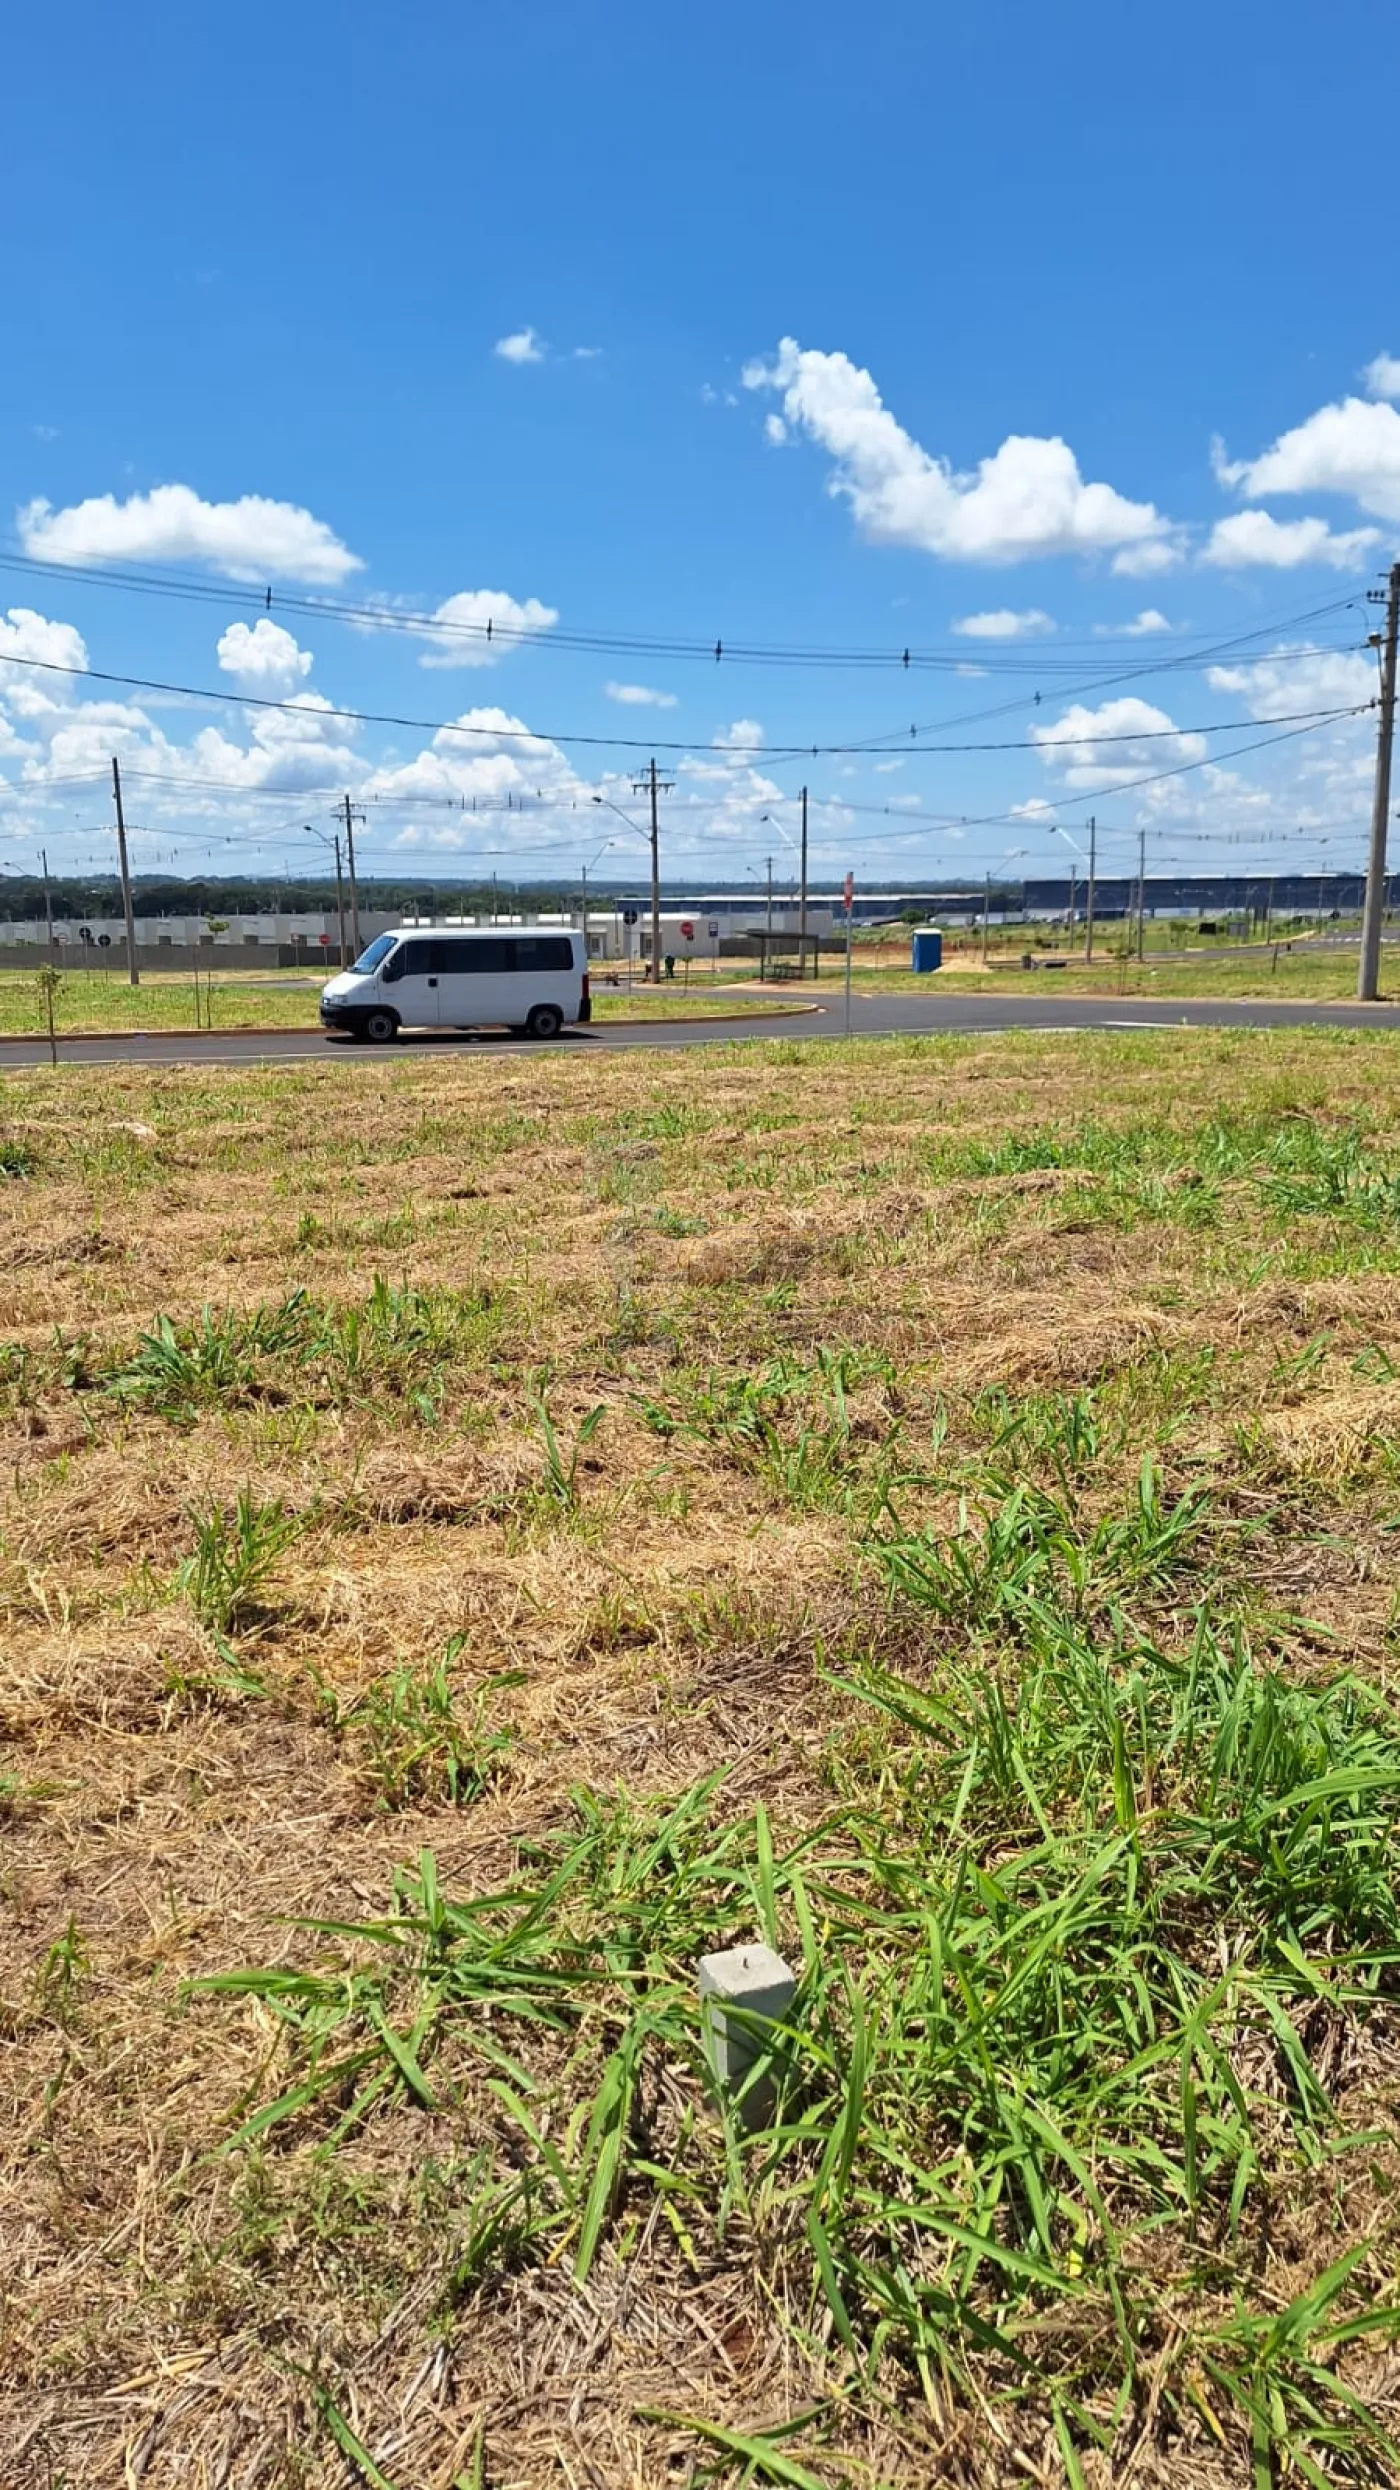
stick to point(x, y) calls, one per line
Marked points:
point(475, 1538)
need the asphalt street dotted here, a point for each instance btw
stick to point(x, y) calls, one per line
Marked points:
point(898, 1015)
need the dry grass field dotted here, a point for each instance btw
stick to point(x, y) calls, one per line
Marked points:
point(476, 1535)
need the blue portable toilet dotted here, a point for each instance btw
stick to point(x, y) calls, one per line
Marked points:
point(928, 952)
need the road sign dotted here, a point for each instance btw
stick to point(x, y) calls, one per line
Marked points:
point(105, 941)
point(714, 929)
point(629, 916)
point(323, 938)
point(850, 891)
point(687, 930)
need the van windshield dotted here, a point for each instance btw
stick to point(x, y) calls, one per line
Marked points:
point(378, 950)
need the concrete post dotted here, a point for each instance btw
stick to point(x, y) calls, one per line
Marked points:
point(756, 1981)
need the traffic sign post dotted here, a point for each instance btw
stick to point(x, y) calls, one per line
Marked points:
point(629, 919)
point(714, 948)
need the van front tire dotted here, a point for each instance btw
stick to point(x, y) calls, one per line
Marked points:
point(379, 1028)
point(545, 1021)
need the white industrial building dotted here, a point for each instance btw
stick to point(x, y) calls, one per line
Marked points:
point(310, 936)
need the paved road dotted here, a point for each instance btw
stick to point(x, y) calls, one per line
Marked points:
point(883, 1016)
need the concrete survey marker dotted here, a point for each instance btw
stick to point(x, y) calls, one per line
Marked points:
point(744, 1993)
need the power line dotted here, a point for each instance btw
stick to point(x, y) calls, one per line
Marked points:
point(629, 743)
point(708, 649)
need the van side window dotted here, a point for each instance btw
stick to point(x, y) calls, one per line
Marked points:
point(482, 955)
point(413, 959)
point(542, 952)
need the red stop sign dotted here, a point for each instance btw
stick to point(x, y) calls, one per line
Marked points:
point(687, 930)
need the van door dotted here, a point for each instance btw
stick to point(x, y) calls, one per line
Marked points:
point(474, 992)
point(411, 985)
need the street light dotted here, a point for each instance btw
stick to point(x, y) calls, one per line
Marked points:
point(328, 841)
point(584, 872)
point(638, 833)
point(800, 850)
point(1091, 861)
point(11, 867)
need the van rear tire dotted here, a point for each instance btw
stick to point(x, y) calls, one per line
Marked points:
point(379, 1028)
point(545, 1021)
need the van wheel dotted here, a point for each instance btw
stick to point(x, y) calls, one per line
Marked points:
point(380, 1027)
point(545, 1021)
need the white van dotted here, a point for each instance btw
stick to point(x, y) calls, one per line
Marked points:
point(530, 982)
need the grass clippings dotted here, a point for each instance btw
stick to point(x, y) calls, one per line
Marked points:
point(468, 1551)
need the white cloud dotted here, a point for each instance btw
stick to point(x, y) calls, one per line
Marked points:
point(1352, 448)
point(496, 757)
point(24, 634)
point(522, 346)
point(1144, 625)
point(1298, 677)
point(1003, 624)
point(1120, 740)
point(1382, 376)
point(1254, 537)
point(775, 432)
point(1147, 560)
point(639, 696)
point(265, 659)
point(886, 769)
point(299, 747)
point(1027, 499)
point(587, 354)
point(480, 625)
point(745, 735)
point(248, 539)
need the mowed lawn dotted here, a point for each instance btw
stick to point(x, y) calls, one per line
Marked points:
point(105, 1001)
point(474, 1539)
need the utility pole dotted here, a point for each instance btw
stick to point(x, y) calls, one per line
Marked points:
point(1089, 902)
point(340, 903)
point(654, 786)
point(48, 899)
point(132, 971)
point(1368, 980)
point(769, 862)
point(350, 819)
point(1142, 895)
point(802, 898)
point(986, 918)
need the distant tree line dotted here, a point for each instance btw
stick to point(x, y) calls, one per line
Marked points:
point(75, 897)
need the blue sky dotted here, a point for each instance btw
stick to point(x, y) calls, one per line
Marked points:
point(1061, 347)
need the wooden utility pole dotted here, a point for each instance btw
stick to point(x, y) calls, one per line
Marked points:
point(986, 917)
point(132, 971)
point(1368, 978)
point(1089, 902)
point(802, 898)
point(654, 786)
point(354, 885)
point(1142, 895)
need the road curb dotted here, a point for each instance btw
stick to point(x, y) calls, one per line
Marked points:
point(259, 1028)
